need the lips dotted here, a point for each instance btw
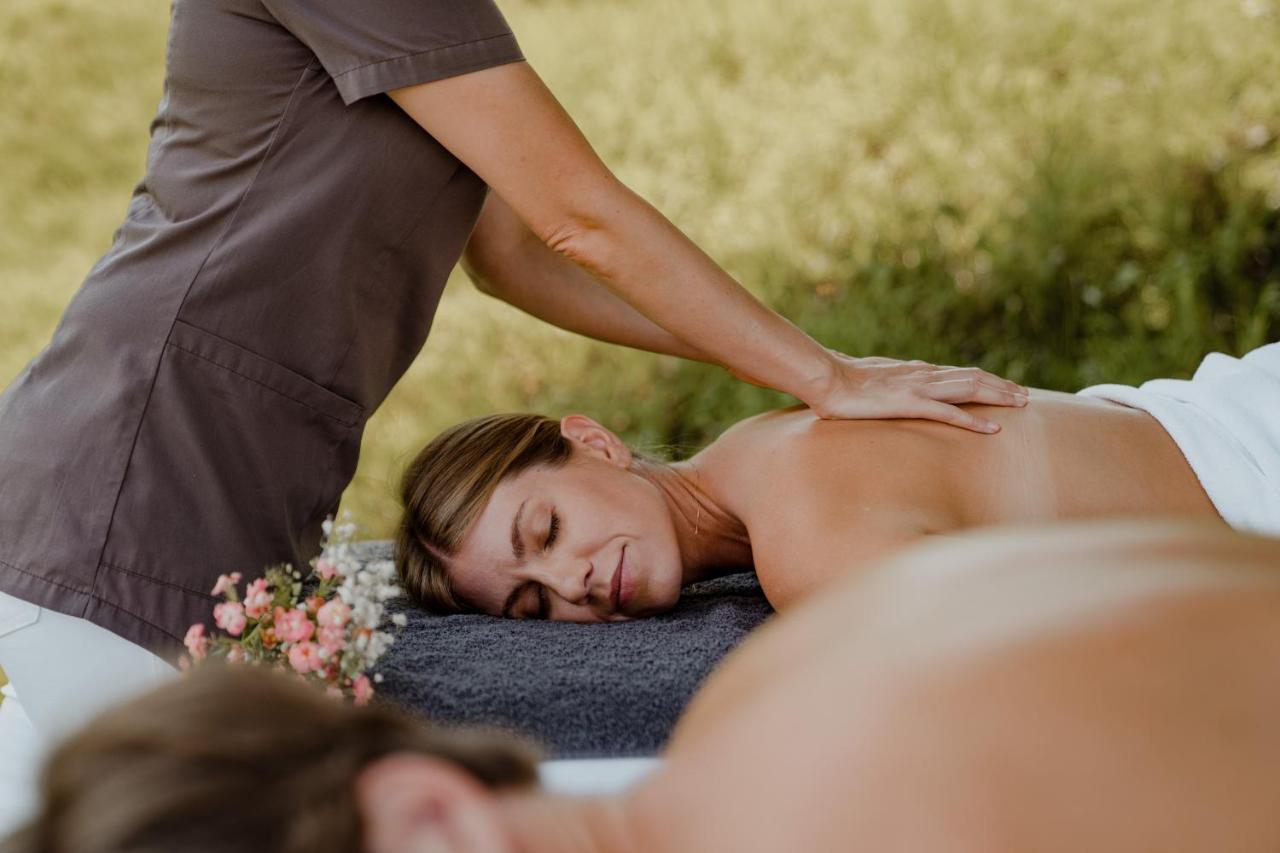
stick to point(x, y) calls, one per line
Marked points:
point(615, 591)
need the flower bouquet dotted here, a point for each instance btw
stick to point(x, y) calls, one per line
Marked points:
point(330, 634)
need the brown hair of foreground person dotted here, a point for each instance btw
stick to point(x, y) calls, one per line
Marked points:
point(166, 772)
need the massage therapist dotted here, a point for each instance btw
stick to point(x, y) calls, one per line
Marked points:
point(316, 169)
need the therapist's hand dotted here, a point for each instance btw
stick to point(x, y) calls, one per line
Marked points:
point(862, 388)
point(873, 388)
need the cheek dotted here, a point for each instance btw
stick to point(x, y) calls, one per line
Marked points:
point(666, 570)
point(469, 584)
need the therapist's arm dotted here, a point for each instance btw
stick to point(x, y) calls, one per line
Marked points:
point(506, 260)
point(509, 129)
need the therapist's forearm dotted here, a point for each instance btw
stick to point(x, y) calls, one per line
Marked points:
point(628, 245)
point(506, 260)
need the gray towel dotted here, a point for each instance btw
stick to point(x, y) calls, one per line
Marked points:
point(582, 691)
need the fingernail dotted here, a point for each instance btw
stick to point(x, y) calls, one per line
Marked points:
point(992, 427)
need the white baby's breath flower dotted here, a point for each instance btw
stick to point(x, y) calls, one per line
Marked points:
point(399, 620)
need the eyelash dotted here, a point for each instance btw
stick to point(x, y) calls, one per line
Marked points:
point(555, 529)
point(543, 606)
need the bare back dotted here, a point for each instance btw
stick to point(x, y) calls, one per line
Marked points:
point(819, 496)
point(1110, 687)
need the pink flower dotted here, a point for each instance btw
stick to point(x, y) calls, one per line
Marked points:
point(226, 582)
point(326, 568)
point(293, 626)
point(305, 657)
point(314, 603)
point(229, 616)
point(363, 690)
point(257, 599)
point(332, 639)
point(196, 642)
point(334, 614)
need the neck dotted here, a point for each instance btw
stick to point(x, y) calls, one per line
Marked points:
point(712, 540)
point(543, 823)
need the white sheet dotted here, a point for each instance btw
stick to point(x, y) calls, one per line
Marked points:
point(594, 776)
point(1226, 422)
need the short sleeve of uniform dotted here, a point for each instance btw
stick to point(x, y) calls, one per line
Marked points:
point(372, 46)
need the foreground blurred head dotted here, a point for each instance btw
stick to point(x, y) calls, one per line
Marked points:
point(241, 759)
point(524, 516)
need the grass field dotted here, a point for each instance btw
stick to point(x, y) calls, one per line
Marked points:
point(1061, 192)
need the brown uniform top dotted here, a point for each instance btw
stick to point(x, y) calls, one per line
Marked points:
point(200, 406)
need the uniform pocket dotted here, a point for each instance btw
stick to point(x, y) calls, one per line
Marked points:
point(272, 376)
point(237, 461)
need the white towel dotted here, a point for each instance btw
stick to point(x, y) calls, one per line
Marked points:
point(1226, 422)
point(588, 777)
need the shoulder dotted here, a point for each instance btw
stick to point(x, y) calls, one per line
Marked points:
point(754, 448)
point(819, 498)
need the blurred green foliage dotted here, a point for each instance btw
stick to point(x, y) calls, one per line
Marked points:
point(1062, 193)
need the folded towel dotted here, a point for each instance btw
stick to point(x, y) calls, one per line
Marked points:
point(1226, 422)
point(583, 691)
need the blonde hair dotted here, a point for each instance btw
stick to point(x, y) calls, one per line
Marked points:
point(237, 758)
point(447, 485)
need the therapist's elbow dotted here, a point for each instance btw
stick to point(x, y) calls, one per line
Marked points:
point(593, 245)
point(483, 281)
point(593, 230)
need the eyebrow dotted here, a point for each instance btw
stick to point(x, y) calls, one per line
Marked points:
point(517, 550)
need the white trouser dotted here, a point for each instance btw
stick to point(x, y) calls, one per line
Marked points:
point(62, 671)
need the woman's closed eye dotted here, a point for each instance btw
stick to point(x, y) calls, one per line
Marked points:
point(553, 531)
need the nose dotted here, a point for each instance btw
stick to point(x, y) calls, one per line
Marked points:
point(569, 578)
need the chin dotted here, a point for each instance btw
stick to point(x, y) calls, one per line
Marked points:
point(650, 603)
point(663, 600)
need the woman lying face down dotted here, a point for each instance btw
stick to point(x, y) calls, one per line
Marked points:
point(524, 516)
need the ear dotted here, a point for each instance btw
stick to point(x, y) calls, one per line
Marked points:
point(590, 436)
point(411, 801)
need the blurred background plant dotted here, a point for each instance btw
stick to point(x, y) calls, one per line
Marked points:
point(1063, 193)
